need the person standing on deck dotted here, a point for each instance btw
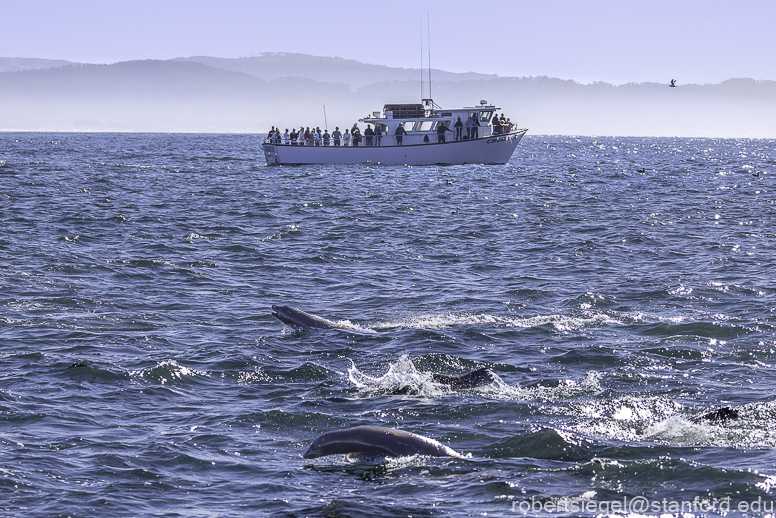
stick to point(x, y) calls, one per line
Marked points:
point(336, 136)
point(378, 133)
point(399, 134)
point(369, 133)
point(346, 138)
point(441, 128)
point(469, 125)
point(458, 129)
point(496, 126)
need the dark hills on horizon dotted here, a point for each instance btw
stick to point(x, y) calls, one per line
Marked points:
point(207, 94)
point(271, 66)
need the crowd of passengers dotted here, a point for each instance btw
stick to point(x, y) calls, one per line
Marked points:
point(373, 137)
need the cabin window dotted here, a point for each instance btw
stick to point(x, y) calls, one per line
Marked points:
point(485, 116)
point(408, 125)
point(425, 126)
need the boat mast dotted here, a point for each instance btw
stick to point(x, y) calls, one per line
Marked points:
point(421, 56)
point(428, 35)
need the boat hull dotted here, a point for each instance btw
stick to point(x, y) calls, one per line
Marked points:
point(496, 149)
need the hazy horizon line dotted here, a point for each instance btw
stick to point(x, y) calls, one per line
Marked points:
point(274, 53)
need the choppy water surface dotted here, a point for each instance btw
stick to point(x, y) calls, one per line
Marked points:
point(619, 288)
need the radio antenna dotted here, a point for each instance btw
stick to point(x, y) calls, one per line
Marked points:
point(428, 35)
point(421, 56)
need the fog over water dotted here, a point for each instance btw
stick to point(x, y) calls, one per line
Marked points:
point(205, 94)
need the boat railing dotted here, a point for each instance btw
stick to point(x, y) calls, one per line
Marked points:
point(384, 140)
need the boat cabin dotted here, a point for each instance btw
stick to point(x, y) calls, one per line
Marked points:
point(422, 121)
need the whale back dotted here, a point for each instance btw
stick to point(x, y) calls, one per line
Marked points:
point(298, 318)
point(474, 379)
point(376, 441)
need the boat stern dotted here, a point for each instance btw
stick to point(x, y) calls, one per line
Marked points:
point(270, 153)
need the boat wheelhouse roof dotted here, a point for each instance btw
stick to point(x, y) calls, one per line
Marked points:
point(405, 111)
point(426, 110)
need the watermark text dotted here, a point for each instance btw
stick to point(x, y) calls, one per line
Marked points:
point(641, 504)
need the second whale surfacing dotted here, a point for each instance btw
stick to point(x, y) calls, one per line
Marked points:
point(474, 379)
point(371, 442)
point(471, 380)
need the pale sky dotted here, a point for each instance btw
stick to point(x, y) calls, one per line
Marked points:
point(614, 41)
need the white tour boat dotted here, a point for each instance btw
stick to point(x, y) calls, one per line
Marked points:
point(420, 143)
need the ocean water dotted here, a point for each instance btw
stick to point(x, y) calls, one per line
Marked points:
point(619, 289)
